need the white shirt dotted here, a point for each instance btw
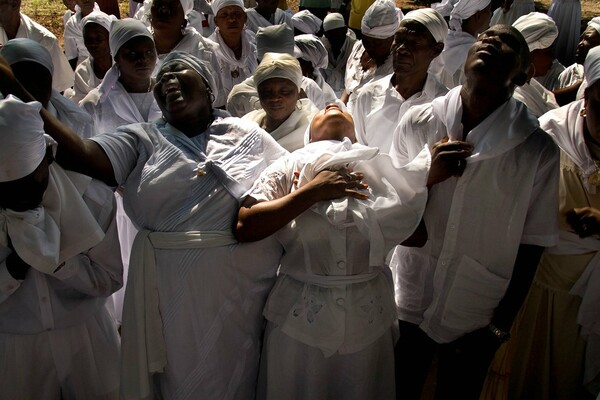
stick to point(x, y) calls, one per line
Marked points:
point(448, 67)
point(537, 98)
point(73, 37)
point(85, 81)
point(356, 78)
point(335, 73)
point(506, 196)
point(255, 20)
point(62, 78)
point(379, 108)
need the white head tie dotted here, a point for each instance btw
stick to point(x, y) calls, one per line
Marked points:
point(306, 22)
point(591, 66)
point(432, 20)
point(123, 30)
point(539, 30)
point(277, 65)
point(381, 19)
point(333, 21)
point(465, 9)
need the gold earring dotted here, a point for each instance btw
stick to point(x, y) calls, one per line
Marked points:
point(583, 113)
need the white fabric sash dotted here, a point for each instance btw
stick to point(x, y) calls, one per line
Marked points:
point(143, 343)
point(331, 281)
point(588, 288)
point(59, 229)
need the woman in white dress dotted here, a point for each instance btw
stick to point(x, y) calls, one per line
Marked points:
point(192, 323)
point(331, 315)
point(283, 114)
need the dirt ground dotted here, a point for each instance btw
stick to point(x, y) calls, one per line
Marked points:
point(50, 12)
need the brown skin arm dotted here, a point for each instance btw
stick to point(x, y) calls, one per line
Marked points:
point(528, 258)
point(258, 220)
point(567, 94)
point(74, 153)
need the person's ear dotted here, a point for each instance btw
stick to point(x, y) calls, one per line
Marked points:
point(437, 49)
point(521, 78)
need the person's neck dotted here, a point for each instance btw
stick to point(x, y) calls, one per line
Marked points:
point(165, 40)
point(234, 42)
point(101, 65)
point(479, 100)
point(192, 127)
point(140, 85)
point(11, 27)
point(409, 84)
point(380, 60)
point(270, 124)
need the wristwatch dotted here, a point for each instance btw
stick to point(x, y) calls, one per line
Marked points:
point(502, 336)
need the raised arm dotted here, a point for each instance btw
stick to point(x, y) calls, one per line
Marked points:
point(257, 220)
point(74, 153)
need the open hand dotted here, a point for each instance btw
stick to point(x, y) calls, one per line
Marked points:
point(329, 185)
point(448, 159)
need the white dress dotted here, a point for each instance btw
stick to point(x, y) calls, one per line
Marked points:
point(567, 15)
point(331, 316)
point(85, 81)
point(210, 298)
point(73, 37)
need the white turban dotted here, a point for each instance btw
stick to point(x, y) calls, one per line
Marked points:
point(595, 23)
point(591, 66)
point(274, 39)
point(123, 30)
point(539, 30)
point(306, 22)
point(312, 50)
point(200, 66)
point(444, 7)
point(216, 5)
point(333, 21)
point(464, 9)
point(381, 19)
point(22, 142)
point(277, 65)
point(100, 18)
point(432, 20)
point(21, 49)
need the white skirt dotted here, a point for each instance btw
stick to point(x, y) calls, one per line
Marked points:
point(80, 362)
point(292, 370)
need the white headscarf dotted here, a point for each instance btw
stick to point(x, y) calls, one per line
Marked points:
point(306, 22)
point(277, 65)
point(464, 9)
point(333, 21)
point(595, 23)
point(539, 30)
point(200, 66)
point(444, 7)
point(22, 142)
point(381, 19)
point(591, 66)
point(216, 5)
point(274, 39)
point(123, 30)
point(22, 49)
point(313, 50)
point(432, 20)
point(100, 18)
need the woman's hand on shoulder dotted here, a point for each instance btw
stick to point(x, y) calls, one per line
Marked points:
point(334, 184)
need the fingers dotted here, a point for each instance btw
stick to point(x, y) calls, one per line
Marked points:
point(584, 221)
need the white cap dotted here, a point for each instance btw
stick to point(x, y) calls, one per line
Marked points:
point(278, 65)
point(306, 22)
point(432, 20)
point(333, 21)
point(591, 66)
point(465, 9)
point(381, 19)
point(539, 30)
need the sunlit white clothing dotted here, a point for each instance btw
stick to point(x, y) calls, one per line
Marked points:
point(475, 223)
point(73, 37)
point(551, 80)
point(448, 67)
point(537, 98)
point(71, 115)
point(255, 20)
point(517, 9)
point(85, 81)
point(335, 73)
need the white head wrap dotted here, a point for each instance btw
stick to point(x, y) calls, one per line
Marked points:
point(21, 49)
point(381, 19)
point(539, 30)
point(22, 142)
point(595, 23)
point(591, 66)
point(464, 9)
point(274, 39)
point(313, 50)
point(216, 5)
point(432, 20)
point(200, 66)
point(306, 22)
point(100, 18)
point(123, 30)
point(277, 65)
point(444, 7)
point(333, 21)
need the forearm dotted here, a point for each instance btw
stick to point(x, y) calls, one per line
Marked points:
point(528, 258)
point(261, 219)
point(566, 95)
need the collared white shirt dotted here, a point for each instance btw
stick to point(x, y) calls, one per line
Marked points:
point(506, 197)
point(379, 108)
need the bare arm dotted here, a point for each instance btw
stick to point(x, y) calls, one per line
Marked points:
point(257, 220)
point(567, 94)
point(74, 153)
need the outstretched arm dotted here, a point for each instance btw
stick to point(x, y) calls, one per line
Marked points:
point(74, 153)
point(257, 220)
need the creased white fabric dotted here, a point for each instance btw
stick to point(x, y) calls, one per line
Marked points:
point(538, 29)
point(432, 20)
point(381, 20)
point(306, 22)
point(278, 65)
point(464, 9)
point(255, 20)
point(591, 66)
point(537, 98)
point(448, 67)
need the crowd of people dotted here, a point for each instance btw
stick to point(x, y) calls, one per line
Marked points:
point(228, 200)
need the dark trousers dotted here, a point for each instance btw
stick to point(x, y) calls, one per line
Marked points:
point(462, 365)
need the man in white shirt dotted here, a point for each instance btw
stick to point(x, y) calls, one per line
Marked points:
point(13, 24)
point(489, 215)
point(59, 261)
point(382, 103)
point(468, 18)
point(370, 57)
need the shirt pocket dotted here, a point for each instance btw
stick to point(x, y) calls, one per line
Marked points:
point(474, 295)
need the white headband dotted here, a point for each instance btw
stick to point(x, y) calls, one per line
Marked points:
point(432, 20)
point(277, 65)
point(123, 30)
